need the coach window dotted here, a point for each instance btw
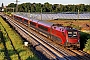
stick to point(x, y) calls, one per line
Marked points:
point(32, 23)
point(43, 28)
point(20, 19)
point(16, 17)
point(25, 21)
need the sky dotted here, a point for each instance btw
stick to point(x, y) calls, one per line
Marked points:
point(64, 2)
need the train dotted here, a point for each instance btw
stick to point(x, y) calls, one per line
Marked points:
point(65, 35)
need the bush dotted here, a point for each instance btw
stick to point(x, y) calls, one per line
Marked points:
point(87, 46)
point(83, 39)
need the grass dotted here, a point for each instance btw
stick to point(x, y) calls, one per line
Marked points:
point(1, 49)
point(87, 46)
point(24, 53)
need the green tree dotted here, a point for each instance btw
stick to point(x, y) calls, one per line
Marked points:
point(65, 8)
point(82, 7)
point(33, 7)
point(73, 8)
point(47, 7)
point(56, 8)
point(61, 8)
point(38, 7)
point(12, 5)
point(88, 8)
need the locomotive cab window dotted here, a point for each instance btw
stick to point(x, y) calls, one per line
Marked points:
point(69, 34)
point(72, 34)
point(32, 23)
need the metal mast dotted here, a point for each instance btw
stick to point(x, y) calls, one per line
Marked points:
point(41, 13)
point(16, 5)
point(78, 14)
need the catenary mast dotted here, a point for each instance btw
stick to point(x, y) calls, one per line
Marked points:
point(16, 5)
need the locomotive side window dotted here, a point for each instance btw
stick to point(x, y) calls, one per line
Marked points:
point(25, 21)
point(43, 28)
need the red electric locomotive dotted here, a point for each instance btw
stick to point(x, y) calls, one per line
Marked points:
point(66, 36)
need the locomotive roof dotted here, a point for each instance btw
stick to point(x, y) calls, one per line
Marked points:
point(72, 29)
point(48, 24)
point(63, 28)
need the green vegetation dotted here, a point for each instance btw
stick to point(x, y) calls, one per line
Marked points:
point(14, 45)
point(1, 48)
point(47, 7)
point(85, 41)
point(87, 46)
point(8, 13)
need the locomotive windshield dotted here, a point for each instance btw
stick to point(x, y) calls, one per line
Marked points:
point(72, 34)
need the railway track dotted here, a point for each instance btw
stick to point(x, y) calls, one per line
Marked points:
point(79, 54)
point(52, 52)
point(82, 54)
point(46, 46)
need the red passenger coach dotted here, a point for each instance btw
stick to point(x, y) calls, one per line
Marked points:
point(26, 21)
point(66, 36)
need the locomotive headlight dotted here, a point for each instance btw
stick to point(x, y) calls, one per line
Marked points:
point(67, 40)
